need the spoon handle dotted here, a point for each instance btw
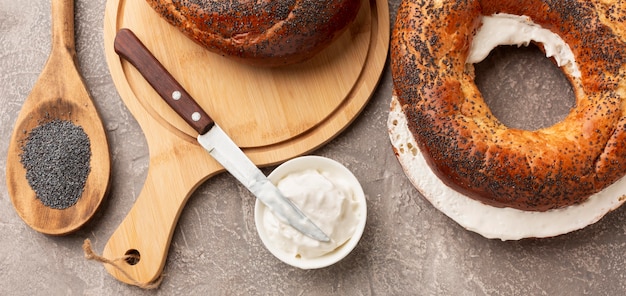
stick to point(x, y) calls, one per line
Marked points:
point(63, 25)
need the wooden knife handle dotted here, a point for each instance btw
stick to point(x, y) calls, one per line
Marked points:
point(129, 47)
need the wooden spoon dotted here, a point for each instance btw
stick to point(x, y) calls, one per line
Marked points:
point(59, 94)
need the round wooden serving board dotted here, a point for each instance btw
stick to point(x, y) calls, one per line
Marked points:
point(274, 114)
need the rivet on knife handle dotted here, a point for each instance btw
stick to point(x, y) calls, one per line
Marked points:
point(128, 46)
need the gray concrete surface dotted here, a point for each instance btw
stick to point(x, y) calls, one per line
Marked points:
point(408, 247)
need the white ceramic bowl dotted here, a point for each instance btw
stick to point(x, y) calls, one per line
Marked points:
point(335, 169)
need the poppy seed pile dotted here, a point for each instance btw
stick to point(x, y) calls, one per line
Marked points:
point(56, 157)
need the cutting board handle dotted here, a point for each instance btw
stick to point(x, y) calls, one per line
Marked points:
point(129, 47)
point(147, 230)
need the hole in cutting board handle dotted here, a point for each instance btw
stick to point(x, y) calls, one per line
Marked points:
point(132, 257)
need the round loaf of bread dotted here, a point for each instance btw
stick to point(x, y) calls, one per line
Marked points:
point(266, 33)
point(468, 148)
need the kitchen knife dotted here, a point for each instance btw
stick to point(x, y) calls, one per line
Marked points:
point(211, 136)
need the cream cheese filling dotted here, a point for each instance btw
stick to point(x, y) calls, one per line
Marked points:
point(508, 29)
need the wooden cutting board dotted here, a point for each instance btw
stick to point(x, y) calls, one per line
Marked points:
point(274, 114)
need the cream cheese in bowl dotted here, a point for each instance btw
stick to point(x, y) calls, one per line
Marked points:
point(331, 196)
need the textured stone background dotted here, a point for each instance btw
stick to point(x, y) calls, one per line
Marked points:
point(408, 247)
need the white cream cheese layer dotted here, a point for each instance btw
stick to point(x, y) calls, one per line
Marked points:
point(508, 29)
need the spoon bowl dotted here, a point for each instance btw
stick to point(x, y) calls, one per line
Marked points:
point(59, 95)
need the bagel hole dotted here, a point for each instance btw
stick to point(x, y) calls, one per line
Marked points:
point(523, 88)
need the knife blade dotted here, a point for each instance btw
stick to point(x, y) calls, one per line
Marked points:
point(210, 136)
